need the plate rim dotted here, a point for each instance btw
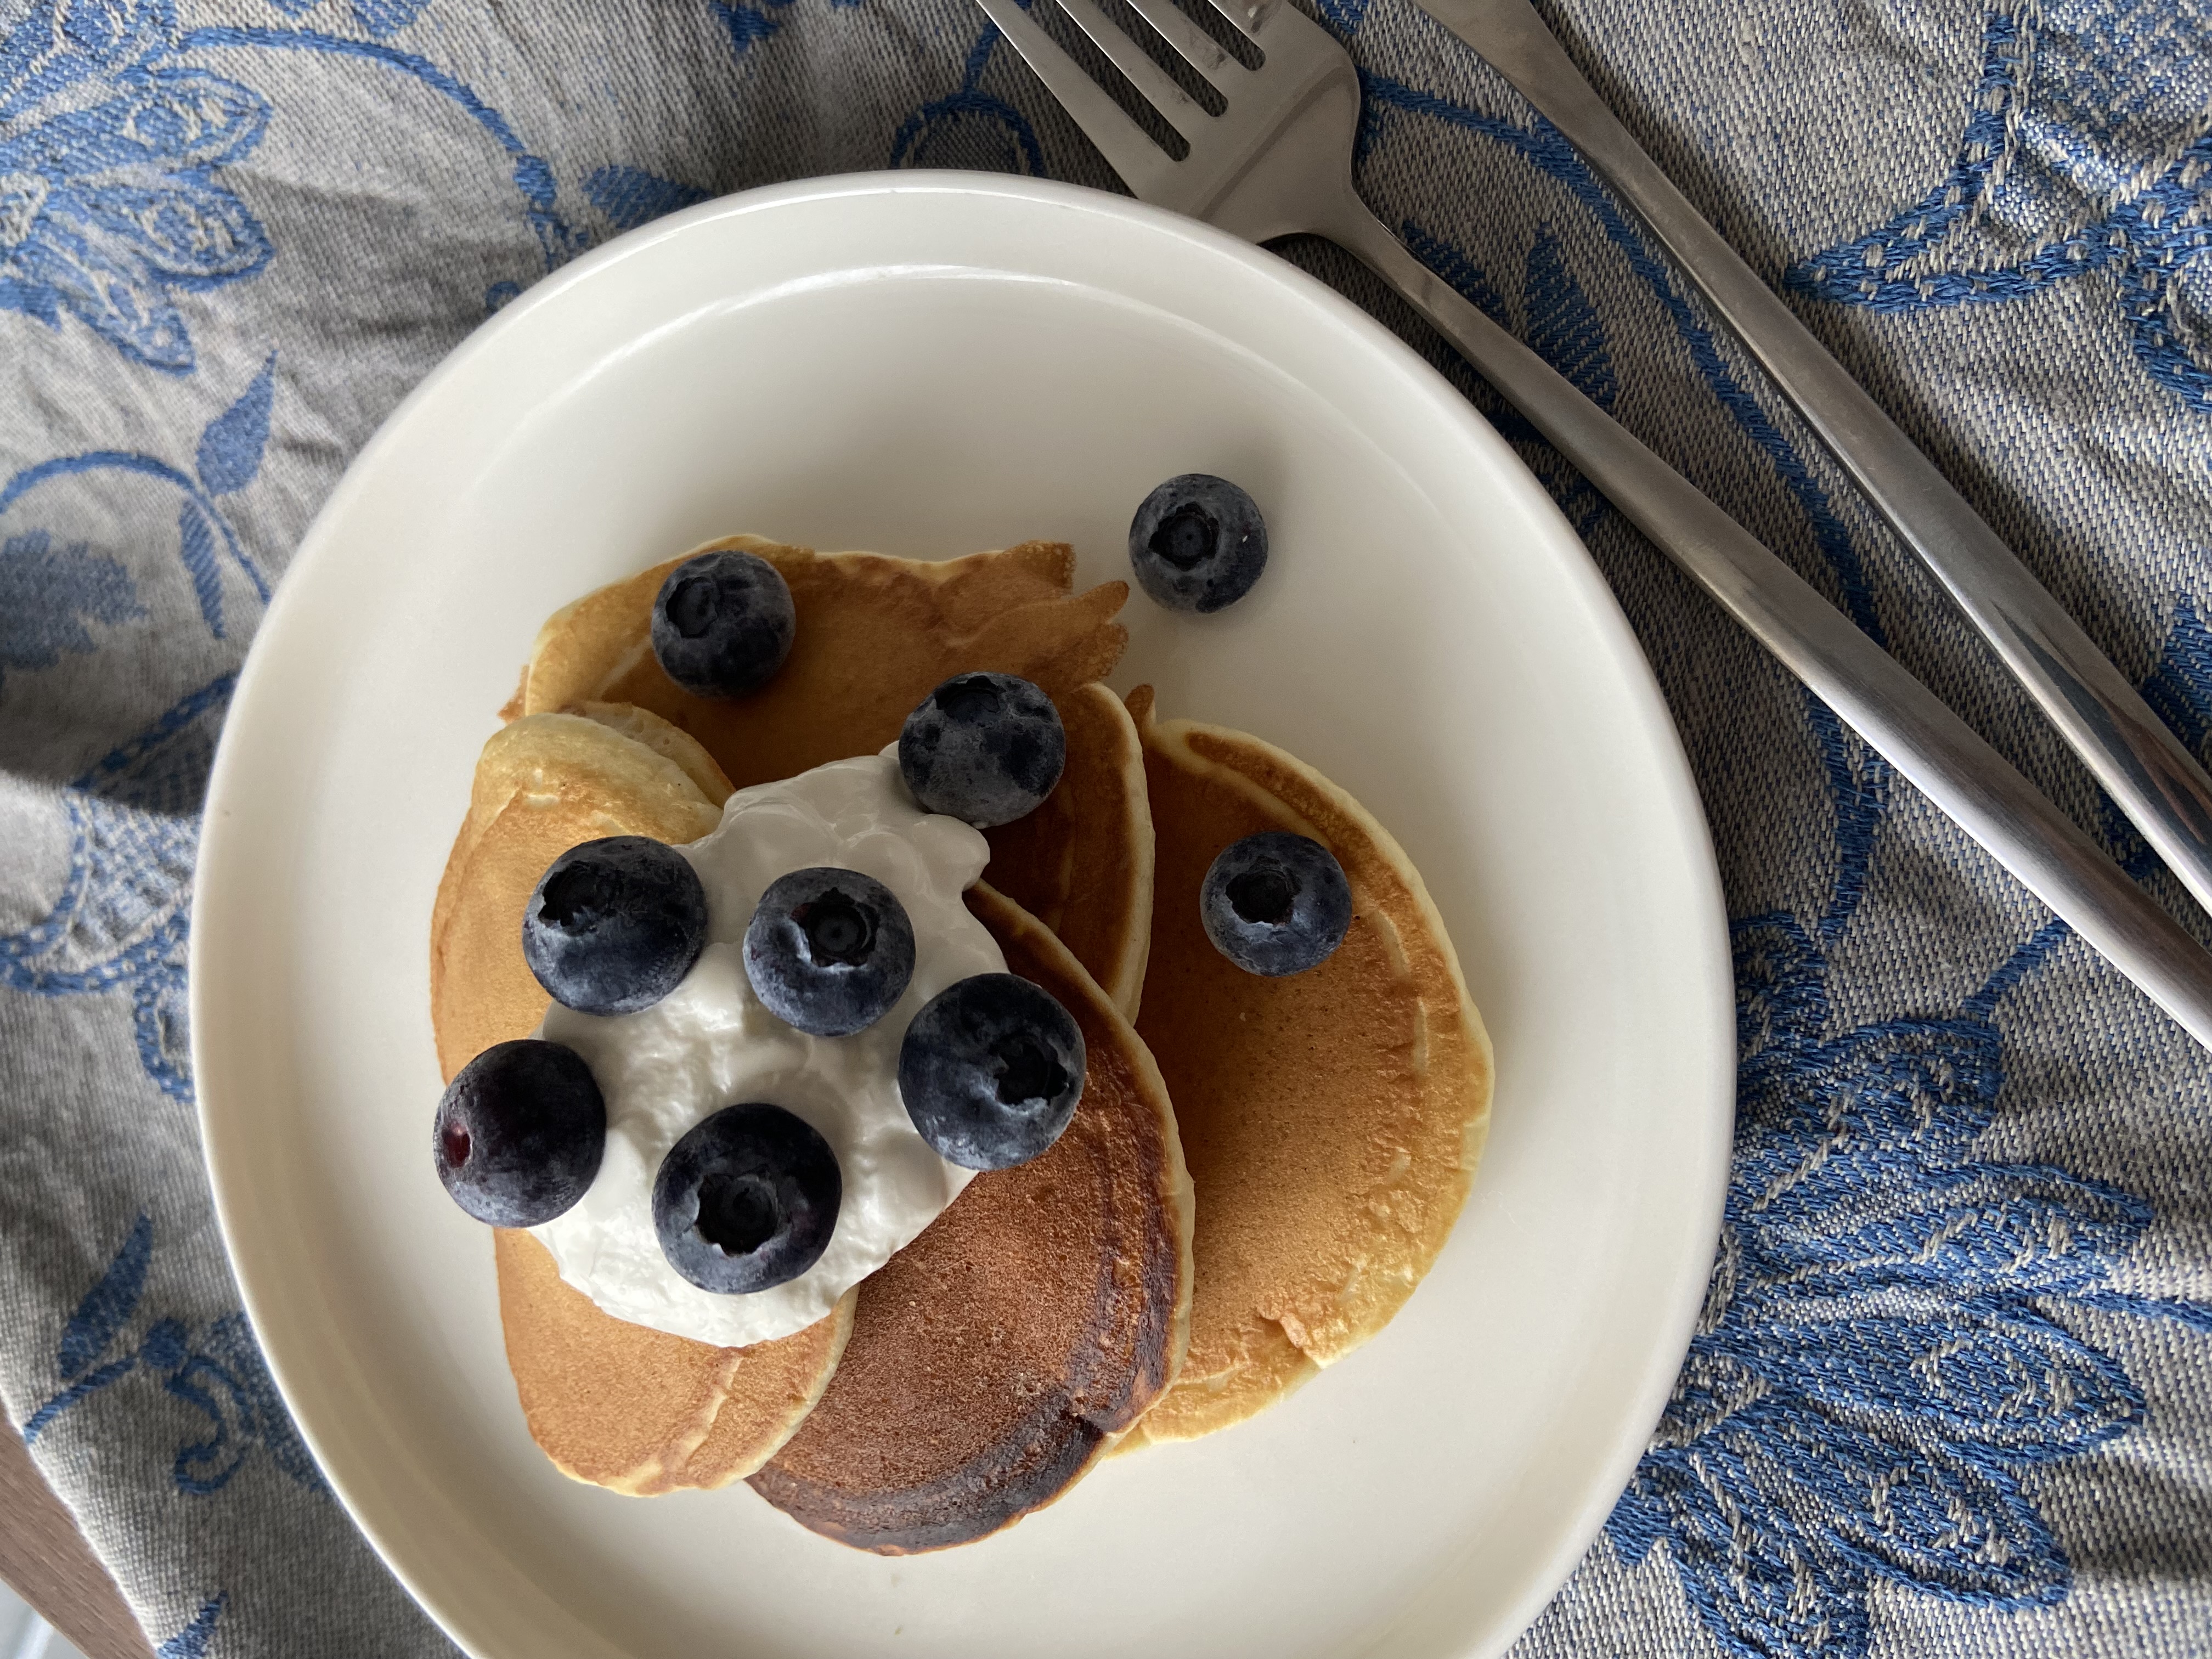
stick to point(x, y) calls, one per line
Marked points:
point(1682, 803)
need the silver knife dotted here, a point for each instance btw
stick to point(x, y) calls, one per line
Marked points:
point(2145, 767)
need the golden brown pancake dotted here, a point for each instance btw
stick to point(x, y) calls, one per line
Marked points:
point(641, 1411)
point(1332, 1119)
point(670, 742)
point(877, 635)
point(508, 760)
point(995, 1358)
point(1082, 863)
point(627, 1407)
point(543, 784)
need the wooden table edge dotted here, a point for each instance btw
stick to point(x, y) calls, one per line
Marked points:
point(46, 1557)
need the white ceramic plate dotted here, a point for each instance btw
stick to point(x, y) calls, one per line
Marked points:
point(928, 364)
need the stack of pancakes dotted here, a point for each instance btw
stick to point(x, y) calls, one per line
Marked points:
point(1163, 1271)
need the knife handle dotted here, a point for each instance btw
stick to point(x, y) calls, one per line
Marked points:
point(2154, 779)
point(1900, 717)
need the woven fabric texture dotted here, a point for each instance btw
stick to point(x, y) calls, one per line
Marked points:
point(1951, 1390)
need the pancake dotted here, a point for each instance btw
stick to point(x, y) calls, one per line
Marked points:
point(670, 742)
point(996, 1357)
point(641, 1411)
point(1082, 863)
point(1333, 1120)
point(875, 635)
point(610, 1402)
point(543, 784)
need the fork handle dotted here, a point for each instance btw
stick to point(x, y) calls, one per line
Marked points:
point(1930, 745)
point(2146, 769)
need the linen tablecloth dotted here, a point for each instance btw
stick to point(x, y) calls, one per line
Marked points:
point(1951, 1390)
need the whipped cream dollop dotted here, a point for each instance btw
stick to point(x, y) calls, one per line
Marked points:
point(709, 1043)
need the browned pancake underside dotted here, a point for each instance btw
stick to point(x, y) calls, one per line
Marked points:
point(995, 1357)
point(1332, 1119)
point(613, 1403)
point(1082, 863)
point(641, 1411)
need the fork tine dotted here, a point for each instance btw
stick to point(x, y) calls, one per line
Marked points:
point(1143, 165)
point(1192, 43)
point(1247, 17)
point(1175, 105)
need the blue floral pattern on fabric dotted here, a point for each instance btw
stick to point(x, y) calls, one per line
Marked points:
point(205, 536)
point(969, 127)
point(1879, 1362)
point(49, 592)
point(1540, 145)
point(110, 142)
point(531, 175)
point(631, 196)
point(217, 1371)
point(2067, 165)
point(382, 18)
point(191, 1642)
point(747, 26)
point(229, 458)
point(121, 922)
point(1345, 16)
point(108, 203)
point(229, 454)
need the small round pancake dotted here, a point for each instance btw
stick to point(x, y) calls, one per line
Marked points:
point(610, 1402)
point(996, 1357)
point(640, 1412)
point(875, 635)
point(1332, 1119)
point(1082, 863)
point(510, 760)
point(543, 784)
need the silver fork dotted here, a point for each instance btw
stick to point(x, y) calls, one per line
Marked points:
point(1278, 161)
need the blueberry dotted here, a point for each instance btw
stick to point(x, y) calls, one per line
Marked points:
point(1198, 543)
point(520, 1132)
point(1276, 903)
point(991, 1070)
point(986, 749)
point(615, 925)
point(747, 1200)
point(722, 623)
point(829, 950)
